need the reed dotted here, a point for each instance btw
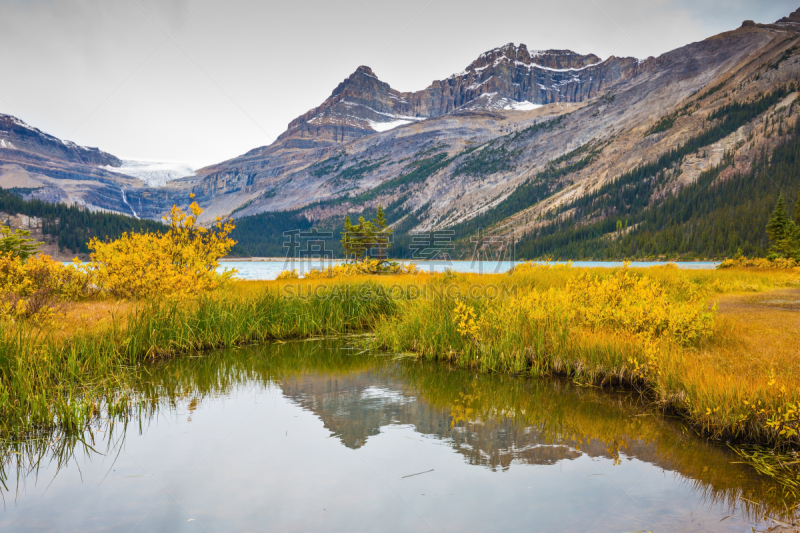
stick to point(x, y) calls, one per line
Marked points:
point(664, 338)
point(48, 379)
point(733, 373)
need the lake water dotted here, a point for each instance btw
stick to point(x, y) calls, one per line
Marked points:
point(270, 269)
point(322, 436)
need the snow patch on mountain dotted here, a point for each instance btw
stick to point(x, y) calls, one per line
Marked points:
point(386, 126)
point(154, 174)
point(489, 101)
point(521, 106)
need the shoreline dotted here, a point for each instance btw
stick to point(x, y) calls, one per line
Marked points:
point(444, 261)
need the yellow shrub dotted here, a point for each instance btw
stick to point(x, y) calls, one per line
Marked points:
point(175, 264)
point(637, 304)
point(363, 267)
point(29, 290)
point(759, 262)
point(288, 274)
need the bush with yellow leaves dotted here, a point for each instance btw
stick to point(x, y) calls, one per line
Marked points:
point(780, 263)
point(364, 267)
point(623, 302)
point(288, 274)
point(30, 289)
point(637, 304)
point(176, 264)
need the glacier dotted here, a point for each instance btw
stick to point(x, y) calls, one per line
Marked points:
point(153, 173)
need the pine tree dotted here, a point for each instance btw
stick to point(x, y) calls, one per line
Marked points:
point(365, 238)
point(783, 232)
point(348, 238)
point(797, 209)
point(357, 239)
point(382, 234)
point(17, 244)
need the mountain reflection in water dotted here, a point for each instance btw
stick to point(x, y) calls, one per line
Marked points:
point(549, 438)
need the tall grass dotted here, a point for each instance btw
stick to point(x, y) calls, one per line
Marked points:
point(52, 378)
point(698, 376)
point(47, 379)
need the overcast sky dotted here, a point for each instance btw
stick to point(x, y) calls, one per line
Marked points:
point(199, 81)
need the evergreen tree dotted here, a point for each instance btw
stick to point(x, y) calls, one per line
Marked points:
point(365, 238)
point(382, 235)
point(17, 244)
point(357, 239)
point(368, 238)
point(797, 209)
point(783, 232)
point(347, 236)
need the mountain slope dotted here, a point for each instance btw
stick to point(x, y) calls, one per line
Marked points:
point(505, 167)
point(53, 170)
point(504, 78)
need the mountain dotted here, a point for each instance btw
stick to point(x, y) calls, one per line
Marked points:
point(504, 78)
point(84, 190)
point(47, 168)
point(639, 151)
point(560, 146)
point(28, 141)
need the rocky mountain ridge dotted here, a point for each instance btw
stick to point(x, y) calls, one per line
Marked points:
point(508, 77)
point(290, 174)
point(15, 134)
point(539, 129)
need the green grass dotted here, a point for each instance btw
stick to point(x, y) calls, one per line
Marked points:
point(48, 381)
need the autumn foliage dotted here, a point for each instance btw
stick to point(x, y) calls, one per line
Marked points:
point(176, 264)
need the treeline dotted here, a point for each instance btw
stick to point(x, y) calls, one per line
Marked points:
point(74, 226)
point(708, 219)
point(265, 234)
point(262, 235)
point(631, 192)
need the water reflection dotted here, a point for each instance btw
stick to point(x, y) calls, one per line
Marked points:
point(497, 424)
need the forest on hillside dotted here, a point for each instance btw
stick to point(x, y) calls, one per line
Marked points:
point(708, 219)
point(74, 226)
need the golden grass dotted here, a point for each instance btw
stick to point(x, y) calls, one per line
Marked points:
point(752, 353)
point(758, 335)
point(83, 317)
point(742, 382)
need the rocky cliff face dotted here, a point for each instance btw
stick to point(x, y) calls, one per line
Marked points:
point(794, 18)
point(509, 77)
point(17, 135)
point(360, 105)
point(61, 171)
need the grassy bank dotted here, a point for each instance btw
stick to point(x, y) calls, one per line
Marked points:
point(733, 374)
point(655, 330)
point(51, 377)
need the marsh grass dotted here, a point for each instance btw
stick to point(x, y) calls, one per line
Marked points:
point(701, 378)
point(70, 374)
point(48, 379)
